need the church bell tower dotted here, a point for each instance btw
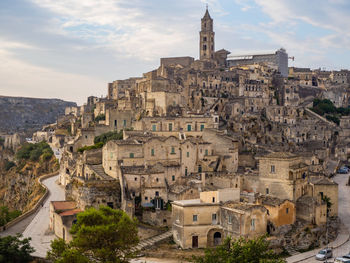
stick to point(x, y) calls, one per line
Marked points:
point(206, 35)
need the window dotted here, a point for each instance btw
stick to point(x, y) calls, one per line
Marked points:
point(131, 155)
point(188, 154)
point(213, 199)
point(204, 47)
point(252, 224)
point(230, 219)
point(204, 38)
point(195, 218)
point(267, 191)
point(157, 180)
point(186, 171)
point(146, 198)
point(172, 150)
point(157, 193)
point(202, 127)
point(287, 210)
point(110, 168)
point(115, 123)
point(206, 152)
point(124, 123)
point(213, 218)
point(135, 178)
point(152, 152)
point(173, 178)
point(273, 170)
point(189, 127)
point(170, 127)
point(154, 127)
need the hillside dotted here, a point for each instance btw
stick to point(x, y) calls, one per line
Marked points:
point(20, 114)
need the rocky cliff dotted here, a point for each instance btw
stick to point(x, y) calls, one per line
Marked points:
point(19, 187)
point(20, 114)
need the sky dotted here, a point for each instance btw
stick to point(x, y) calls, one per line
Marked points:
point(72, 49)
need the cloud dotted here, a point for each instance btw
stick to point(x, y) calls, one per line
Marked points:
point(19, 78)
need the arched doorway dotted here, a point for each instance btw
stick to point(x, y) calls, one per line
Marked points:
point(214, 237)
point(217, 238)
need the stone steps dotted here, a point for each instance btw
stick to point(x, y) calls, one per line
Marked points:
point(152, 240)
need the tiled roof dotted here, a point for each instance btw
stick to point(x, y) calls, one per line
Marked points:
point(64, 205)
point(70, 212)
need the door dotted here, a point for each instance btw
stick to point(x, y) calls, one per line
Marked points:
point(194, 241)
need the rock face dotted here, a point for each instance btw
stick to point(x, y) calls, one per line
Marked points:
point(20, 114)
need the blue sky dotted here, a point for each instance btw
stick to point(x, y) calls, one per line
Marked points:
point(71, 49)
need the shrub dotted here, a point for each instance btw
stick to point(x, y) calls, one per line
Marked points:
point(91, 147)
point(9, 165)
point(105, 137)
point(100, 117)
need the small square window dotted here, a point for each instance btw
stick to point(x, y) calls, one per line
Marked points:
point(188, 154)
point(157, 193)
point(146, 197)
point(287, 210)
point(135, 178)
point(173, 178)
point(195, 218)
point(154, 127)
point(131, 155)
point(152, 152)
point(172, 150)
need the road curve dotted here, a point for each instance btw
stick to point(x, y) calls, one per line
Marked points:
point(38, 227)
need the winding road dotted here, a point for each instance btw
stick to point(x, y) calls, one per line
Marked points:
point(38, 229)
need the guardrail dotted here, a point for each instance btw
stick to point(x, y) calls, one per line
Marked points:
point(36, 206)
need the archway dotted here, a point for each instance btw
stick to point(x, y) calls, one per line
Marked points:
point(214, 237)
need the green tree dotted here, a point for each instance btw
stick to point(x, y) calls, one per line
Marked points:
point(13, 249)
point(103, 235)
point(240, 250)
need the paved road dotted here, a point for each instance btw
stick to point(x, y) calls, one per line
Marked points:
point(344, 215)
point(38, 228)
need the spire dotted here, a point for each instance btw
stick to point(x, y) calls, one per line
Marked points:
point(206, 15)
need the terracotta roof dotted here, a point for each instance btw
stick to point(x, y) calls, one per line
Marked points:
point(70, 212)
point(63, 205)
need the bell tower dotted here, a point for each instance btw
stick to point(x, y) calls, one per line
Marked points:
point(206, 38)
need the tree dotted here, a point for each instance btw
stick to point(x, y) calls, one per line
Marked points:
point(241, 250)
point(103, 235)
point(13, 249)
point(328, 202)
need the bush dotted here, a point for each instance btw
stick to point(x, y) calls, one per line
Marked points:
point(32, 152)
point(105, 137)
point(333, 119)
point(91, 147)
point(6, 215)
point(100, 117)
point(9, 165)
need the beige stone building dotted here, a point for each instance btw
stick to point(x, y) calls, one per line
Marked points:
point(205, 222)
point(62, 215)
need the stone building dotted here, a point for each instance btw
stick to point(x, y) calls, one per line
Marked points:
point(63, 214)
point(196, 222)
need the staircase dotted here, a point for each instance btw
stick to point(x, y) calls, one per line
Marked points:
point(288, 246)
point(153, 240)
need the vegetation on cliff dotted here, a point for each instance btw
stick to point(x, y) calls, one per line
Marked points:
point(103, 235)
point(6, 215)
point(19, 187)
